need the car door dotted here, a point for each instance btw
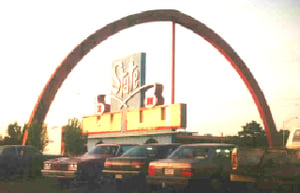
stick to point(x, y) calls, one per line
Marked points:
point(33, 160)
point(11, 160)
point(20, 153)
point(222, 158)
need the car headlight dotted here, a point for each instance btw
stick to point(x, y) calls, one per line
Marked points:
point(72, 166)
point(47, 166)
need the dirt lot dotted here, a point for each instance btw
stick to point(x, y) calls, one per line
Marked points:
point(49, 185)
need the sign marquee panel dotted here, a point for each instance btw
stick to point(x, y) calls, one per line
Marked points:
point(105, 123)
point(171, 116)
point(144, 119)
point(128, 75)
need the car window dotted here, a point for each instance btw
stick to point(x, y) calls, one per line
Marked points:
point(20, 151)
point(103, 150)
point(201, 153)
point(31, 150)
point(139, 151)
point(10, 151)
point(125, 148)
point(224, 152)
point(165, 151)
point(190, 152)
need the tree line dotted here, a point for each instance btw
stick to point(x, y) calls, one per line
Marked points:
point(75, 143)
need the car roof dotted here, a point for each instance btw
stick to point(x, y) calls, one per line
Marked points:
point(209, 145)
point(16, 145)
point(161, 144)
point(114, 144)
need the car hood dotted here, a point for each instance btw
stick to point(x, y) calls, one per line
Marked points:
point(78, 159)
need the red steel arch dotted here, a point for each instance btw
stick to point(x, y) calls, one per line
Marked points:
point(62, 71)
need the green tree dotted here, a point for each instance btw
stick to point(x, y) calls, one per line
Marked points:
point(37, 135)
point(74, 141)
point(252, 135)
point(14, 134)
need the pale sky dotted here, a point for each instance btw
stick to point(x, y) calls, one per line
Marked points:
point(37, 35)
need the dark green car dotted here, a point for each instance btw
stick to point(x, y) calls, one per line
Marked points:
point(129, 170)
point(20, 160)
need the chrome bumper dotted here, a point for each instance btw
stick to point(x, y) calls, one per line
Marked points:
point(58, 173)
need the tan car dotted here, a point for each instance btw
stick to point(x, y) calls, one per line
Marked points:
point(192, 168)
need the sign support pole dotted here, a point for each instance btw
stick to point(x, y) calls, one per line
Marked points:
point(173, 64)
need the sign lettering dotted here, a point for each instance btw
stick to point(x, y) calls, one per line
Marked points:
point(128, 75)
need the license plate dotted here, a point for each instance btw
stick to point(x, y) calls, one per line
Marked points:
point(169, 171)
point(118, 176)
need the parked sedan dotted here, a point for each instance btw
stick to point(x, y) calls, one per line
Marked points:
point(130, 169)
point(193, 167)
point(20, 160)
point(85, 168)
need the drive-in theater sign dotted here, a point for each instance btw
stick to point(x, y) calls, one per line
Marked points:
point(130, 115)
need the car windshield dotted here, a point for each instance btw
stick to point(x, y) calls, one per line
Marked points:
point(140, 151)
point(103, 150)
point(150, 151)
point(190, 152)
